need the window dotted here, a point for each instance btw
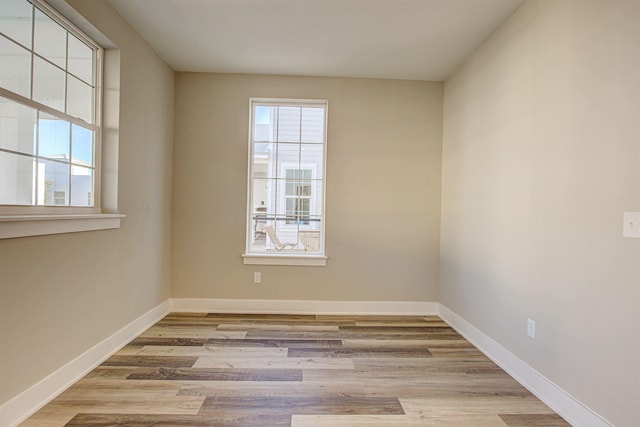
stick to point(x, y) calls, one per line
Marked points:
point(286, 180)
point(298, 196)
point(49, 111)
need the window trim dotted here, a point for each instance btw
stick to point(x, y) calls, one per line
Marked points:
point(293, 258)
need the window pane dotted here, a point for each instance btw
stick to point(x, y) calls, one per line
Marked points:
point(291, 206)
point(15, 72)
point(264, 124)
point(315, 223)
point(269, 195)
point(262, 154)
point(80, 59)
point(79, 99)
point(50, 40)
point(288, 158)
point(54, 137)
point(81, 145)
point(81, 186)
point(289, 124)
point(309, 240)
point(16, 179)
point(311, 158)
point(53, 179)
point(259, 196)
point(290, 188)
point(286, 234)
point(48, 84)
point(17, 126)
point(15, 20)
point(304, 188)
point(313, 125)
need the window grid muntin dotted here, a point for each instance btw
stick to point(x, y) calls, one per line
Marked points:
point(277, 176)
point(93, 127)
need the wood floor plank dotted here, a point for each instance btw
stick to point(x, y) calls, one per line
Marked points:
point(411, 352)
point(182, 314)
point(212, 350)
point(279, 317)
point(167, 341)
point(105, 389)
point(476, 405)
point(151, 361)
point(354, 334)
point(394, 329)
point(209, 420)
point(534, 420)
point(129, 350)
point(306, 327)
point(332, 388)
point(130, 405)
point(49, 417)
point(400, 343)
point(395, 420)
point(190, 322)
point(422, 323)
point(428, 366)
point(301, 405)
point(273, 363)
point(189, 332)
point(457, 353)
point(291, 335)
point(109, 372)
point(375, 318)
point(284, 343)
point(205, 374)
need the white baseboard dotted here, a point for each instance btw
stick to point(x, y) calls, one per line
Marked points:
point(415, 308)
point(553, 396)
point(35, 397)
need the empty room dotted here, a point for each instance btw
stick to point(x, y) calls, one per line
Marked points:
point(320, 213)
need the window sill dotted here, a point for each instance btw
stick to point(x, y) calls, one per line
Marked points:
point(12, 226)
point(285, 259)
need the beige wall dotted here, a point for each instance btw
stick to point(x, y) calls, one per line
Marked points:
point(541, 156)
point(383, 190)
point(62, 294)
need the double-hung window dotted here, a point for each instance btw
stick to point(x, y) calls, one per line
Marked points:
point(49, 112)
point(287, 147)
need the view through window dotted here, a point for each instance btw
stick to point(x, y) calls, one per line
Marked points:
point(286, 182)
point(49, 127)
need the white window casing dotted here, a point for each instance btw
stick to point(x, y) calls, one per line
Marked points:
point(286, 182)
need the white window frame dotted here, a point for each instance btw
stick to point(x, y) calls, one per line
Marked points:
point(284, 258)
point(34, 220)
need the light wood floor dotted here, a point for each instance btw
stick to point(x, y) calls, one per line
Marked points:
point(282, 370)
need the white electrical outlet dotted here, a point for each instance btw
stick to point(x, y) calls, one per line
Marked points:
point(531, 328)
point(257, 277)
point(631, 225)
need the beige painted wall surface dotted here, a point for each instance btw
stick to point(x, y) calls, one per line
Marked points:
point(541, 157)
point(62, 294)
point(383, 190)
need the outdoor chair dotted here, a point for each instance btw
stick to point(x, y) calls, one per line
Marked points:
point(276, 241)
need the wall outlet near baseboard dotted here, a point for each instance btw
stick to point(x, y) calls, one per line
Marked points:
point(257, 277)
point(531, 328)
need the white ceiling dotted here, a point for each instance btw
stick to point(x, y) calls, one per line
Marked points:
point(394, 39)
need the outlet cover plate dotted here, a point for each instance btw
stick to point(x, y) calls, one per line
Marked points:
point(531, 328)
